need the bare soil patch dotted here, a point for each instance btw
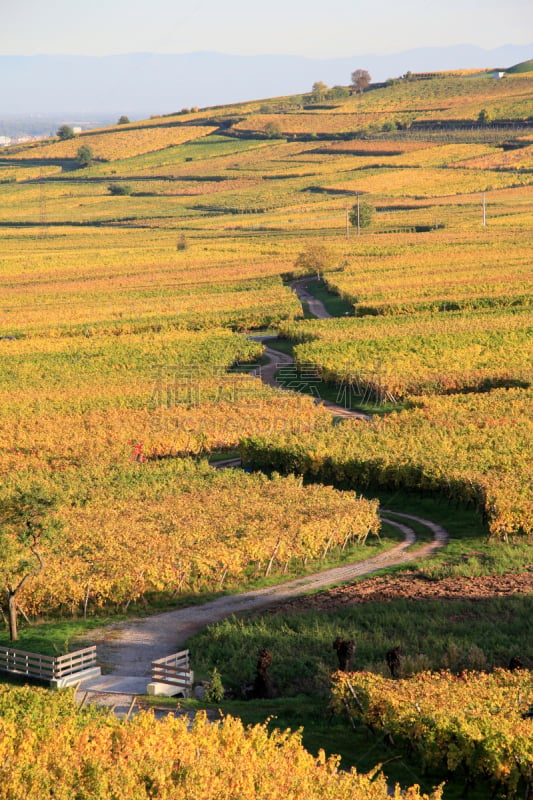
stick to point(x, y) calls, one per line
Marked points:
point(411, 585)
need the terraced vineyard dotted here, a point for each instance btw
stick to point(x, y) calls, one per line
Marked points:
point(126, 361)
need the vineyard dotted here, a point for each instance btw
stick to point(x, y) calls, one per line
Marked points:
point(161, 529)
point(475, 723)
point(135, 292)
point(470, 448)
point(116, 145)
point(420, 355)
point(94, 756)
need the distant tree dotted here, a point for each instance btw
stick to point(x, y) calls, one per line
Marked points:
point(338, 93)
point(272, 130)
point(361, 215)
point(84, 156)
point(315, 258)
point(65, 132)
point(27, 526)
point(182, 243)
point(123, 120)
point(360, 80)
point(119, 188)
point(484, 117)
point(319, 91)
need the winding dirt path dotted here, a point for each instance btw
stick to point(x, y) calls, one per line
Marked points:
point(315, 306)
point(127, 649)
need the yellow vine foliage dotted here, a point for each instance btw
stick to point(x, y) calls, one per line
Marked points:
point(50, 747)
point(472, 448)
point(117, 144)
point(179, 528)
point(475, 721)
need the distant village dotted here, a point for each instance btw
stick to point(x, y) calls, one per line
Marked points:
point(5, 141)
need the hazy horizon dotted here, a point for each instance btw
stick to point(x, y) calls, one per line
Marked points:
point(281, 28)
point(91, 88)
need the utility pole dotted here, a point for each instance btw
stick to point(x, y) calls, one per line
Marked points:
point(347, 222)
point(43, 216)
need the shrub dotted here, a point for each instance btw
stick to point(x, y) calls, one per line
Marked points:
point(272, 130)
point(119, 188)
point(361, 215)
point(84, 156)
point(65, 132)
point(215, 691)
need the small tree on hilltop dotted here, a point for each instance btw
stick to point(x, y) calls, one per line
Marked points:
point(65, 132)
point(27, 526)
point(84, 156)
point(361, 215)
point(360, 80)
point(123, 120)
point(319, 91)
point(338, 93)
point(315, 258)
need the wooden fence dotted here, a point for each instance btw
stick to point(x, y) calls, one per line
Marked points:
point(174, 670)
point(35, 665)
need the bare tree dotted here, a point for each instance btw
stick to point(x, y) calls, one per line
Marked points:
point(27, 524)
point(360, 80)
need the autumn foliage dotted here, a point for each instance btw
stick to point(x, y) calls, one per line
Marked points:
point(476, 723)
point(49, 747)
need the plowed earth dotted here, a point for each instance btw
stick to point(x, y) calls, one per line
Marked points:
point(412, 585)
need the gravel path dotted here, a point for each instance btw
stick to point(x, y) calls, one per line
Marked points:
point(316, 307)
point(127, 649)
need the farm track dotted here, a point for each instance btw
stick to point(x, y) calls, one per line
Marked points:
point(127, 649)
point(278, 359)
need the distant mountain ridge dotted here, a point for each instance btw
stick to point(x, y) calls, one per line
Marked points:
point(143, 83)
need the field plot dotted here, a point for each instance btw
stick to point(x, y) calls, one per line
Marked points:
point(472, 448)
point(116, 144)
point(80, 751)
point(473, 723)
point(427, 183)
point(438, 272)
point(83, 281)
point(447, 97)
point(150, 528)
point(420, 355)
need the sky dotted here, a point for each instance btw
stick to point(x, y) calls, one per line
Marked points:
point(317, 28)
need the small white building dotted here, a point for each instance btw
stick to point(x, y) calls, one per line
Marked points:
point(498, 73)
point(4, 141)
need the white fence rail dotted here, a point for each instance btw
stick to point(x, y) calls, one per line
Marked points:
point(175, 671)
point(35, 665)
